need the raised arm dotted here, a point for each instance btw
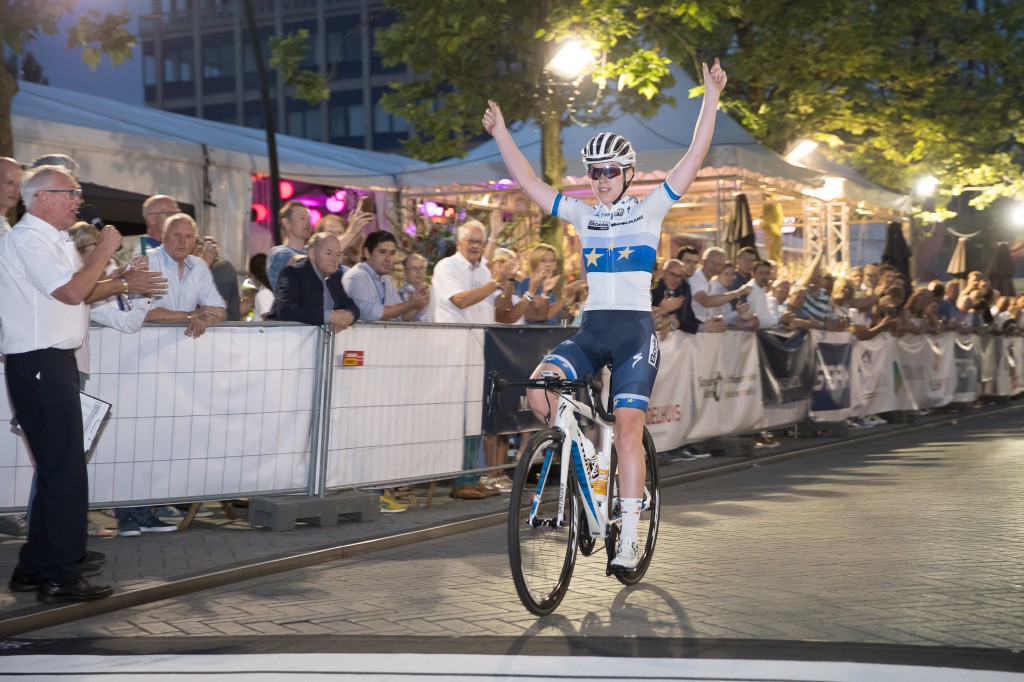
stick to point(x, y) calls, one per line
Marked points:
point(542, 193)
point(681, 176)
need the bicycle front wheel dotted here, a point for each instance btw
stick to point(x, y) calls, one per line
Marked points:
point(647, 532)
point(542, 550)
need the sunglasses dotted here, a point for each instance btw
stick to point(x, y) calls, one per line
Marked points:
point(607, 171)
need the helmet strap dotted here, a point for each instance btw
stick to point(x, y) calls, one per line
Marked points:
point(625, 184)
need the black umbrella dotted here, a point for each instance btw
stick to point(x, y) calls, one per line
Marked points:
point(897, 251)
point(739, 231)
point(1000, 270)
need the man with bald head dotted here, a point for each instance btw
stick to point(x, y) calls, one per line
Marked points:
point(155, 211)
point(10, 190)
point(311, 291)
point(192, 297)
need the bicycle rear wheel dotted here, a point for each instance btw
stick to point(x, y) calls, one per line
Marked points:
point(541, 552)
point(649, 513)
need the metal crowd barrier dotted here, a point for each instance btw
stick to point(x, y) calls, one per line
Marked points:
point(271, 408)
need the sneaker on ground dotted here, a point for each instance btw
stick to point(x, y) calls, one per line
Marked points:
point(627, 555)
point(129, 528)
point(155, 525)
point(13, 525)
point(766, 440)
point(175, 515)
point(695, 452)
point(874, 420)
point(389, 505)
point(500, 483)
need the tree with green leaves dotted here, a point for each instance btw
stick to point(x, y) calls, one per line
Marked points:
point(466, 51)
point(899, 90)
point(95, 33)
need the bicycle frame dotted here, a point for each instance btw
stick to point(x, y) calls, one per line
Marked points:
point(597, 513)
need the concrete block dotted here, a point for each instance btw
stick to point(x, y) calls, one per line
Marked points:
point(812, 428)
point(731, 447)
point(282, 513)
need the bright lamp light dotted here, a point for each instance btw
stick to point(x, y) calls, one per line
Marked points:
point(802, 149)
point(571, 60)
point(1017, 216)
point(925, 187)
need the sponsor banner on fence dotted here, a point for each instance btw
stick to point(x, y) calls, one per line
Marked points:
point(830, 399)
point(966, 362)
point(912, 357)
point(669, 413)
point(787, 367)
point(728, 385)
point(871, 376)
point(514, 352)
point(1014, 348)
point(939, 385)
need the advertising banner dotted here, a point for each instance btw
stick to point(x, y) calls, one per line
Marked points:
point(787, 366)
point(966, 362)
point(669, 413)
point(939, 378)
point(514, 352)
point(871, 375)
point(728, 385)
point(830, 399)
point(912, 362)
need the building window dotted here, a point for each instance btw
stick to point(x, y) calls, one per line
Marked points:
point(305, 123)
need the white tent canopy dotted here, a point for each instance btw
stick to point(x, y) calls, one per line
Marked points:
point(149, 151)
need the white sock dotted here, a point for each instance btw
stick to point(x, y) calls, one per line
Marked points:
point(630, 518)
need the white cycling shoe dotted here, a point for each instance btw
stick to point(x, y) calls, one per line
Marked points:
point(627, 555)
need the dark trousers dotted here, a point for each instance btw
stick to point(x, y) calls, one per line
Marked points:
point(43, 387)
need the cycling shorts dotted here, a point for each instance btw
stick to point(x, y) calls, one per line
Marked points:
point(624, 340)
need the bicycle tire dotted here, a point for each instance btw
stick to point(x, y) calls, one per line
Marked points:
point(649, 516)
point(542, 557)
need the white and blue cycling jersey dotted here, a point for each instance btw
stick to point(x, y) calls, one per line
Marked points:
point(620, 246)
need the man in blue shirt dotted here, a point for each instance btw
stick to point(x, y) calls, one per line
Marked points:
point(369, 283)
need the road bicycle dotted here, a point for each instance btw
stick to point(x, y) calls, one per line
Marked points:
point(548, 523)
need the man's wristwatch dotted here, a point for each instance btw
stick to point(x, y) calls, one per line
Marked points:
point(529, 297)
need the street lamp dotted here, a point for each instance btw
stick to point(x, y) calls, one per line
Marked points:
point(925, 187)
point(1017, 216)
point(571, 60)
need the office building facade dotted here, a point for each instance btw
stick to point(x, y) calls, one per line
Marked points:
point(198, 61)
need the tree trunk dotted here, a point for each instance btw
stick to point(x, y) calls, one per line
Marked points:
point(552, 171)
point(268, 121)
point(8, 89)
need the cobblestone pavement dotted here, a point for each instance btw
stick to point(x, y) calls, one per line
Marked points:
point(917, 539)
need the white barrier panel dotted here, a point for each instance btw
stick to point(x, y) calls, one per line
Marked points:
point(669, 412)
point(873, 390)
point(1015, 356)
point(784, 414)
point(940, 372)
point(728, 385)
point(966, 365)
point(222, 416)
point(403, 413)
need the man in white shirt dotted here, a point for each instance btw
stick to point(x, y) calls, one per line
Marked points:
point(704, 301)
point(10, 190)
point(767, 315)
point(44, 319)
point(463, 289)
point(192, 297)
point(369, 283)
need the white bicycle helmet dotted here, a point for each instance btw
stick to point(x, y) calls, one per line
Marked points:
point(609, 147)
